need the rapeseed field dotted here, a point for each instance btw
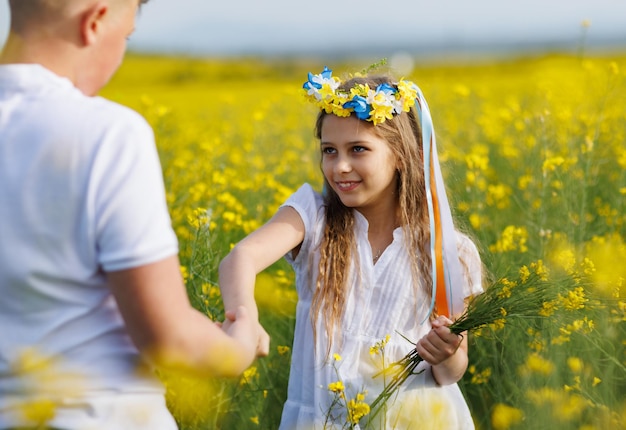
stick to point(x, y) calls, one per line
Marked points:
point(534, 154)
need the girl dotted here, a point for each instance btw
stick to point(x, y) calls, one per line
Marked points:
point(377, 261)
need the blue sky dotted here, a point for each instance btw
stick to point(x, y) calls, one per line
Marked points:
point(237, 27)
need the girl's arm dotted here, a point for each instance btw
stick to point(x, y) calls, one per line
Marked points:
point(445, 351)
point(283, 233)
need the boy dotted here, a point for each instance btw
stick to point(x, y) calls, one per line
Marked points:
point(90, 285)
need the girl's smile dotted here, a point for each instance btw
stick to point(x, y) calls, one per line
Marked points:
point(347, 186)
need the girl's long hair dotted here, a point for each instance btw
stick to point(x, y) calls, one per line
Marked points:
point(338, 245)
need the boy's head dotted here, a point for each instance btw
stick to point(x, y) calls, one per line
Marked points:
point(84, 40)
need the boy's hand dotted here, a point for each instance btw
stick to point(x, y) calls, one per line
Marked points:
point(440, 343)
point(262, 340)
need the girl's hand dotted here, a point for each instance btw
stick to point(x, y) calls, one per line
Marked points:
point(262, 337)
point(440, 343)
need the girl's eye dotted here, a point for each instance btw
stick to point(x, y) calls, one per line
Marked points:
point(328, 150)
point(358, 149)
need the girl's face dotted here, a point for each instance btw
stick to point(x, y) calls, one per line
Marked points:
point(358, 164)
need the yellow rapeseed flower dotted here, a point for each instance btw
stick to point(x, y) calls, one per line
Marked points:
point(248, 375)
point(512, 239)
point(547, 309)
point(336, 387)
point(39, 412)
point(575, 364)
point(540, 269)
point(550, 164)
point(481, 377)
point(524, 273)
point(504, 416)
point(357, 408)
point(574, 299)
point(537, 364)
point(379, 346)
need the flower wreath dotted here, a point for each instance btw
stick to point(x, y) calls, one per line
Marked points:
point(374, 105)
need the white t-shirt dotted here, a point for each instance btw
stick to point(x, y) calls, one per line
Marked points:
point(81, 193)
point(381, 301)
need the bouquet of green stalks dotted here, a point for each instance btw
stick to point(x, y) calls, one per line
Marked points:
point(530, 296)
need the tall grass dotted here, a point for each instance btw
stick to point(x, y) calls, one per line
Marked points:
point(535, 160)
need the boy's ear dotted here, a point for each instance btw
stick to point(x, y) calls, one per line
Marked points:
point(91, 22)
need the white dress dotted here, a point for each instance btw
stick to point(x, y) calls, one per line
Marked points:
point(380, 302)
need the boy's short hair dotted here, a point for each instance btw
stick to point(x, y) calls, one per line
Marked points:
point(24, 12)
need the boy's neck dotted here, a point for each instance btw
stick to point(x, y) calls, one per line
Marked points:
point(52, 56)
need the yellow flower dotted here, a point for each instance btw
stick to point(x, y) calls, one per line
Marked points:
point(282, 350)
point(524, 273)
point(550, 164)
point(537, 364)
point(547, 309)
point(337, 357)
point(498, 196)
point(336, 387)
point(540, 269)
point(39, 411)
point(498, 324)
point(575, 364)
point(512, 239)
point(184, 272)
point(505, 292)
point(248, 375)
point(255, 420)
point(575, 387)
point(379, 346)
point(357, 408)
point(574, 299)
point(479, 377)
point(478, 161)
point(475, 221)
point(505, 416)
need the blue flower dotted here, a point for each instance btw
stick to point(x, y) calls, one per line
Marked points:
point(386, 88)
point(315, 81)
point(360, 106)
point(310, 84)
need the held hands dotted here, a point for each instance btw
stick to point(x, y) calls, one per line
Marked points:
point(240, 325)
point(440, 343)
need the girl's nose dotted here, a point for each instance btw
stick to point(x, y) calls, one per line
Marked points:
point(343, 165)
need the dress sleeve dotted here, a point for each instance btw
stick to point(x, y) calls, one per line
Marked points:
point(308, 203)
point(472, 266)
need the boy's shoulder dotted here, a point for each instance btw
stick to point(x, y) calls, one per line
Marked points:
point(58, 97)
point(100, 115)
point(55, 100)
point(110, 111)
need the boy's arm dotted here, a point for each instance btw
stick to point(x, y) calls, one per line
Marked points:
point(170, 332)
point(237, 272)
